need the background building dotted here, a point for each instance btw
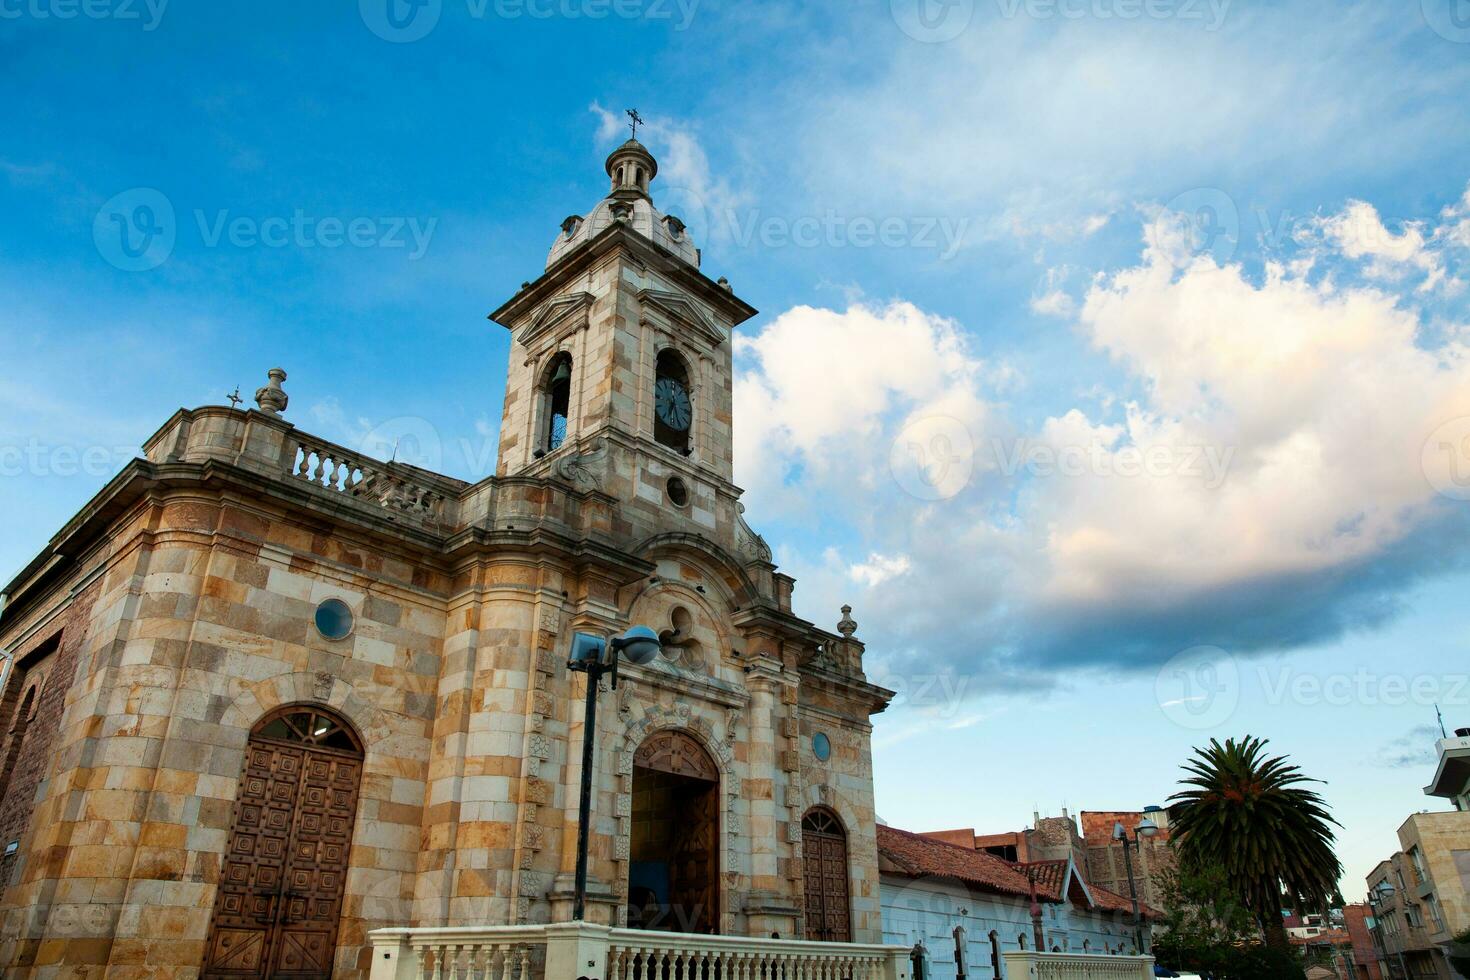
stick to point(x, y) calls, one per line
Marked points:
point(932, 888)
point(1093, 849)
point(1420, 896)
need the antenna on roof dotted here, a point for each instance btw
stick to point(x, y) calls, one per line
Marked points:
point(1438, 714)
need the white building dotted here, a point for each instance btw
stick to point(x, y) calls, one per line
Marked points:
point(929, 889)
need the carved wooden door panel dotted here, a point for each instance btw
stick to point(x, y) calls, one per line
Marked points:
point(280, 891)
point(695, 897)
point(824, 853)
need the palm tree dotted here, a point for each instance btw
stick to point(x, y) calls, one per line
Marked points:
point(1247, 815)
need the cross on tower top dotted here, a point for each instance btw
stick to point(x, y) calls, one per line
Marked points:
point(637, 121)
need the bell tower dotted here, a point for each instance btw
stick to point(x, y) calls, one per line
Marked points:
point(620, 367)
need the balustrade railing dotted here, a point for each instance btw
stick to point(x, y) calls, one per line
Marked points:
point(333, 468)
point(574, 950)
point(1032, 965)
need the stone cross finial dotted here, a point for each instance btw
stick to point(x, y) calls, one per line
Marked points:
point(847, 625)
point(271, 399)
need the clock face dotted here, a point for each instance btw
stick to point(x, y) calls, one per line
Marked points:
point(671, 404)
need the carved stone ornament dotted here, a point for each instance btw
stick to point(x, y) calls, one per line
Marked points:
point(847, 625)
point(578, 470)
point(271, 399)
point(752, 546)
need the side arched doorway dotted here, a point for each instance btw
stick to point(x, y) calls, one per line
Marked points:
point(280, 890)
point(824, 854)
point(674, 854)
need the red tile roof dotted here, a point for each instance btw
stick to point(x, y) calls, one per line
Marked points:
point(920, 857)
point(1049, 876)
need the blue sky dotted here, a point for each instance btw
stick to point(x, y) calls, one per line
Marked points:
point(1112, 359)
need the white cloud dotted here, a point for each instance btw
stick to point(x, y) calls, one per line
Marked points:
point(879, 569)
point(1263, 431)
point(1358, 232)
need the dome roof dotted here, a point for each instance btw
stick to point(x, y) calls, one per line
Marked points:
point(631, 167)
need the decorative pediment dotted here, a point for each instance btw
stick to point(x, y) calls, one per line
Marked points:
point(680, 310)
point(552, 314)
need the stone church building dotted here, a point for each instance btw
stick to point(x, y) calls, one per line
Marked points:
point(268, 694)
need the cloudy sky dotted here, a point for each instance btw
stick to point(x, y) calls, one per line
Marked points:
point(1112, 360)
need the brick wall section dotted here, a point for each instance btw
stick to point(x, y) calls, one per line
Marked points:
point(33, 751)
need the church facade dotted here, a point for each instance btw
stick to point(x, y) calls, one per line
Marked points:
point(268, 694)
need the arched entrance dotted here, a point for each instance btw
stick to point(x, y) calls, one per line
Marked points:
point(674, 866)
point(280, 889)
point(824, 853)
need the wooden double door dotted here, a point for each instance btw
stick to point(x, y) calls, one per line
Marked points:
point(280, 891)
point(824, 854)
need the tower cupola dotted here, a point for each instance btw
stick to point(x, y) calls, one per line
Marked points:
point(631, 167)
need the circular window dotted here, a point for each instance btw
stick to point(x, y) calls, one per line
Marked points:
point(678, 492)
point(821, 746)
point(333, 619)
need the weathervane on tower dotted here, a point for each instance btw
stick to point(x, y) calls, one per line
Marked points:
point(637, 121)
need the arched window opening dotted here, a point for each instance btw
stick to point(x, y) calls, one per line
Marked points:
point(995, 954)
point(824, 854)
point(1022, 940)
point(673, 408)
point(556, 403)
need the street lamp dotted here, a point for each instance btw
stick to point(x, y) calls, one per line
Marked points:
point(1146, 828)
point(595, 656)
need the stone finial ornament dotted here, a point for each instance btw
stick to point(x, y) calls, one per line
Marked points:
point(847, 625)
point(271, 399)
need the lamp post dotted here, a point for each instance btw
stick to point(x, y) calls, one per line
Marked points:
point(1146, 828)
point(596, 656)
point(1378, 897)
